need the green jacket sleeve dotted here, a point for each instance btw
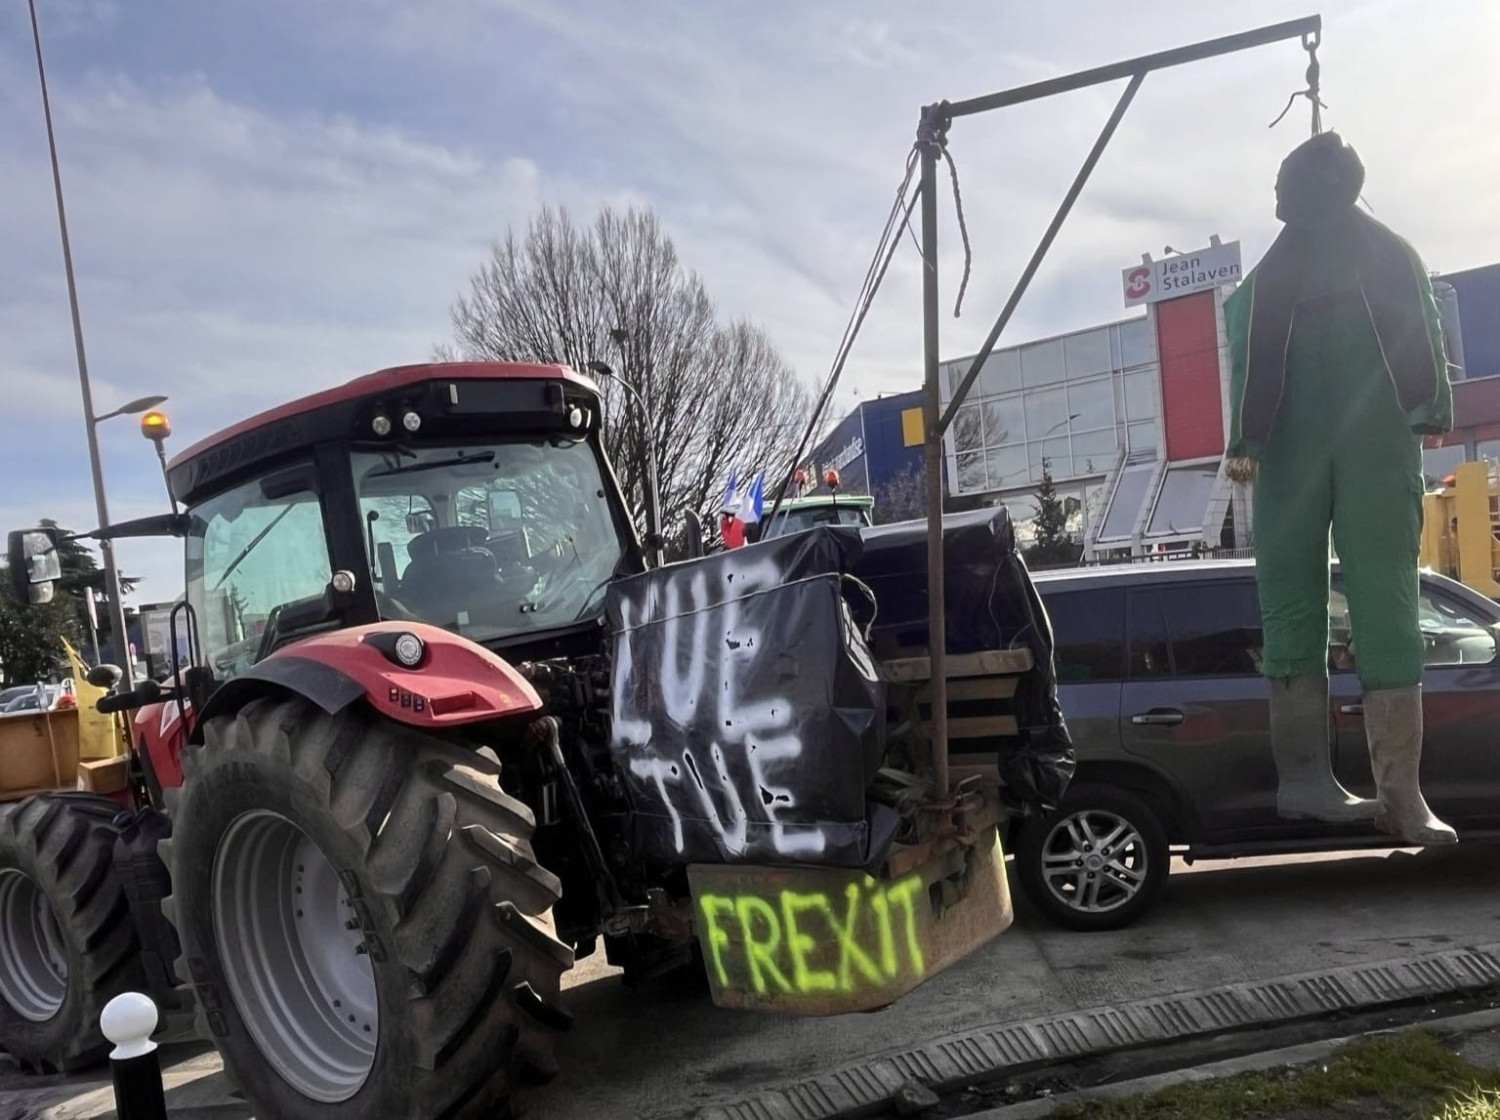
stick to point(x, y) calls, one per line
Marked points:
point(1437, 417)
point(1237, 328)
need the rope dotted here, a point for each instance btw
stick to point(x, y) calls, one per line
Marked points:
point(963, 228)
point(1310, 44)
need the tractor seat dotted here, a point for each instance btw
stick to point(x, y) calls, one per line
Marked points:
point(451, 539)
point(448, 573)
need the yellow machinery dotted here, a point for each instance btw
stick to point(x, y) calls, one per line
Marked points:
point(72, 746)
point(1459, 536)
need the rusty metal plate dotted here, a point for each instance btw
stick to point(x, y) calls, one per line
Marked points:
point(813, 941)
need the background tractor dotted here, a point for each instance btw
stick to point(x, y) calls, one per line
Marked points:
point(440, 729)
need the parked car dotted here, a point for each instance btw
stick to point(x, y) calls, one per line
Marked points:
point(14, 692)
point(1159, 678)
point(30, 698)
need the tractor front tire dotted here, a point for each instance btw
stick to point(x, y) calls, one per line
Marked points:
point(361, 915)
point(67, 942)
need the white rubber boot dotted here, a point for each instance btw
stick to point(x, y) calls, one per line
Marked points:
point(1393, 723)
point(1305, 786)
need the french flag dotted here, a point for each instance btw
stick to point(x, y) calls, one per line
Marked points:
point(738, 511)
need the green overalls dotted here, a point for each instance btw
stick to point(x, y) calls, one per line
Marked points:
point(1340, 452)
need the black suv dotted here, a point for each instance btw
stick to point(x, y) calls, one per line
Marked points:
point(1159, 677)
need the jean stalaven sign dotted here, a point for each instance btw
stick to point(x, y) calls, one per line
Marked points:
point(1182, 274)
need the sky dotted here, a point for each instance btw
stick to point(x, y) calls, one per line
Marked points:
point(269, 198)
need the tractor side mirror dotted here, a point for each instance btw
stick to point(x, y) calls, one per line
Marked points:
point(35, 566)
point(105, 676)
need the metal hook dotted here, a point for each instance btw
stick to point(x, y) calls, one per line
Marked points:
point(1310, 43)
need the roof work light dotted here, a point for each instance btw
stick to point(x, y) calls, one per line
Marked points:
point(155, 426)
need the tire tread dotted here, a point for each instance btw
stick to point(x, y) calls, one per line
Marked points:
point(446, 854)
point(64, 842)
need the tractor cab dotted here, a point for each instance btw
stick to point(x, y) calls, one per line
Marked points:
point(474, 497)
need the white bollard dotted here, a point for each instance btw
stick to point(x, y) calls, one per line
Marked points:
point(128, 1021)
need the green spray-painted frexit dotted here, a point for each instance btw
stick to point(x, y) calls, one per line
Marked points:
point(1338, 369)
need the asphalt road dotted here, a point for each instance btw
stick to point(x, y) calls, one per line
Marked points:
point(664, 1051)
point(652, 1053)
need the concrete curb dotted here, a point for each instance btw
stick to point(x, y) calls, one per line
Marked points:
point(1304, 1054)
point(991, 1051)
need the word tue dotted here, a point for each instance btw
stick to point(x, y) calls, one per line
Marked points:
point(811, 942)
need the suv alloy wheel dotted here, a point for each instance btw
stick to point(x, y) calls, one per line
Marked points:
point(1097, 861)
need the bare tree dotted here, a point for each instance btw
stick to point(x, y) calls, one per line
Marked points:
point(721, 398)
point(902, 498)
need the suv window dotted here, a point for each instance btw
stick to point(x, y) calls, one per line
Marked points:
point(1196, 630)
point(1088, 629)
point(1450, 632)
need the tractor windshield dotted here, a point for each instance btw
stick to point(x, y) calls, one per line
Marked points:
point(489, 539)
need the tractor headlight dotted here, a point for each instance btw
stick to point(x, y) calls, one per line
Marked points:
point(380, 424)
point(409, 650)
point(411, 420)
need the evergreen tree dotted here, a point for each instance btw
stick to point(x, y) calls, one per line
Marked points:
point(1053, 547)
point(31, 636)
point(82, 578)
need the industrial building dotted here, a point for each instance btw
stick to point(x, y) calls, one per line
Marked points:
point(1130, 417)
point(1476, 388)
point(877, 450)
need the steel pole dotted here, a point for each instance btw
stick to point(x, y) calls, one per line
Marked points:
point(1178, 56)
point(928, 140)
point(106, 548)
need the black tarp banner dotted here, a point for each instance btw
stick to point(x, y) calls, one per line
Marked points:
point(991, 604)
point(748, 714)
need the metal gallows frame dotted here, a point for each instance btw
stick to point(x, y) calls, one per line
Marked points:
point(932, 135)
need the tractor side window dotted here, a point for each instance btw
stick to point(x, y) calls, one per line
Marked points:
point(247, 555)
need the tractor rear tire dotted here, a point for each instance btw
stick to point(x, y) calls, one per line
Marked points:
point(418, 973)
point(67, 942)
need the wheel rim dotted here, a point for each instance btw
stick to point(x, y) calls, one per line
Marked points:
point(1094, 861)
point(33, 954)
point(295, 957)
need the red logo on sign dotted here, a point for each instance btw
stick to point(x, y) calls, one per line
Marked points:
point(1138, 282)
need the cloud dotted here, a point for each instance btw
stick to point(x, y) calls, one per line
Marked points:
point(267, 199)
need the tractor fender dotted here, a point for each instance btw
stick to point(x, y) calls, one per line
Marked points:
point(455, 682)
point(159, 734)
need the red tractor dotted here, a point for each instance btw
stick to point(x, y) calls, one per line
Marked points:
point(433, 728)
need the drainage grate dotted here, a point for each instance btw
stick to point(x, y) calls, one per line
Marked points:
point(994, 1050)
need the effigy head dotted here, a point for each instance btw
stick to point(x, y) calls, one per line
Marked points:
point(1319, 182)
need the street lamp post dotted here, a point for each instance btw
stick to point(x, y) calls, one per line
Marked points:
point(106, 547)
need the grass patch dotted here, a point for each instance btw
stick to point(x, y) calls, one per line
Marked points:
point(1397, 1076)
point(1480, 1104)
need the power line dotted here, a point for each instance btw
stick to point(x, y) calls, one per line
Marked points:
point(890, 239)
